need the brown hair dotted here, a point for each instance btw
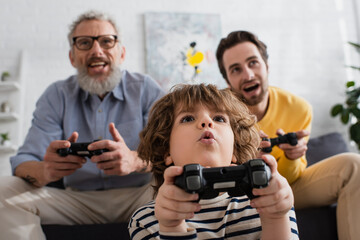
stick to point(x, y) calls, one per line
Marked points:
point(233, 39)
point(155, 137)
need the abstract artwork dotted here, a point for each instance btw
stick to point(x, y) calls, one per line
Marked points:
point(180, 48)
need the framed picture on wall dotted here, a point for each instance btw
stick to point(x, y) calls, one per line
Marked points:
point(180, 48)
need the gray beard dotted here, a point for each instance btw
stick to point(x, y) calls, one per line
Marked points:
point(93, 86)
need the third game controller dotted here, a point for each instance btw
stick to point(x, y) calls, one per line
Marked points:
point(236, 180)
point(80, 149)
point(289, 138)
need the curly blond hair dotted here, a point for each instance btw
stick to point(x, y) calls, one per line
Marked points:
point(155, 137)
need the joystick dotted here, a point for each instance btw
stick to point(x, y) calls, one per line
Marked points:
point(80, 149)
point(236, 180)
point(289, 138)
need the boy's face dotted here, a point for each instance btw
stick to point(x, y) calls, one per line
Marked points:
point(202, 136)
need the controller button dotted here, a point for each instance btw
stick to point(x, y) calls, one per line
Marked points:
point(260, 178)
point(221, 185)
point(83, 152)
point(192, 167)
point(256, 163)
point(193, 183)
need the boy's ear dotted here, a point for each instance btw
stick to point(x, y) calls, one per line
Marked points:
point(168, 160)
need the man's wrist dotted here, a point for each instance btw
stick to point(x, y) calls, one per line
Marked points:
point(32, 172)
point(142, 166)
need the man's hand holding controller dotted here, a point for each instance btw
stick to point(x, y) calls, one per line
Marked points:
point(293, 144)
point(56, 166)
point(111, 156)
point(81, 149)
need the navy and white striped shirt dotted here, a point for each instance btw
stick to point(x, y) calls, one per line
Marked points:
point(223, 217)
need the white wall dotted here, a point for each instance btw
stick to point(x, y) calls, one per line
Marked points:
point(305, 40)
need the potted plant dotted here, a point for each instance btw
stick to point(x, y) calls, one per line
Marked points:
point(5, 140)
point(4, 76)
point(349, 111)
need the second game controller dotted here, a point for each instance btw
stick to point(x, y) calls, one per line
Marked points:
point(80, 149)
point(236, 180)
point(289, 138)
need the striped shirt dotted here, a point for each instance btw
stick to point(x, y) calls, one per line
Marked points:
point(223, 217)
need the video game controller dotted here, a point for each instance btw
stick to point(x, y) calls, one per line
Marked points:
point(80, 149)
point(289, 138)
point(236, 180)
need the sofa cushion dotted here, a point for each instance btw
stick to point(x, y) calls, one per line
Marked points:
point(325, 146)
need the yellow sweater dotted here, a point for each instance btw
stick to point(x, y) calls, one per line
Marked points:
point(290, 113)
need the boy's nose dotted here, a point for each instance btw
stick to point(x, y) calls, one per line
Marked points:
point(206, 124)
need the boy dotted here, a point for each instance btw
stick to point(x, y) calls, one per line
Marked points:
point(201, 124)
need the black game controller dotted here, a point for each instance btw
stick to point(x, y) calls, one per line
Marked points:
point(289, 138)
point(236, 180)
point(80, 149)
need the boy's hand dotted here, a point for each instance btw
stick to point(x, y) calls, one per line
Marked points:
point(275, 200)
point(173, 205)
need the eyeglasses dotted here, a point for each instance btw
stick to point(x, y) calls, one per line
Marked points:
point(86, 42)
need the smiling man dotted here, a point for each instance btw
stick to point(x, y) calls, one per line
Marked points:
point(102, 102)
point(95, 57)
point(243, 62)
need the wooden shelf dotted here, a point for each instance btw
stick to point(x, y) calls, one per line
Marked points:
point(8, 149)
point(9, 86)
point(8, 116)
point(11, 120)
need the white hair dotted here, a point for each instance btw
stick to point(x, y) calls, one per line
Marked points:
point(92, 15)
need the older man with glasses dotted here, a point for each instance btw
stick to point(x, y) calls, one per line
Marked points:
point(105, 180)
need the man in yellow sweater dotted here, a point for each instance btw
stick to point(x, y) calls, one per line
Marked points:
point(242, 60)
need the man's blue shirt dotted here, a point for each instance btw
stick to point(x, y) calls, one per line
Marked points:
point(64, 108)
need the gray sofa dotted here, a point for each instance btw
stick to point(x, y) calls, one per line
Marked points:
point(313, 223)
point(320, 223)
